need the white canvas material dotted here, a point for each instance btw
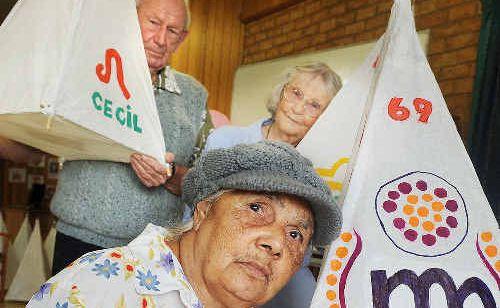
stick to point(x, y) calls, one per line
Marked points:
point(17, 249)
point(48, 249)
point(341, 119)
point(418, 230)
point(75, 81)
point(31, 273)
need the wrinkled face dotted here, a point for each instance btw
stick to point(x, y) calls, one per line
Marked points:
point(162, 25)
point(303, 100)
point(250, 244)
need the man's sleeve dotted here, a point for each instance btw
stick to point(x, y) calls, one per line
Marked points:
point(205, 129)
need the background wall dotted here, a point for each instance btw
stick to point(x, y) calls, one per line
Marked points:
point(319, 24)
point(253, 82)
point(213, 49)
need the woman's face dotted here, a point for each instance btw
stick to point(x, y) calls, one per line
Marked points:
point(303, 100)
point(250, 244)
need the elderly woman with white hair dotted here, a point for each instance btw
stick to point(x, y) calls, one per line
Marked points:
point(257, 209)
point(295, 104)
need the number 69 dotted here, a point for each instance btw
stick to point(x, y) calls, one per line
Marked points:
point(401, 113)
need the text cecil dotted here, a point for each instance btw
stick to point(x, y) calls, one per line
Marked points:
point(124, 116)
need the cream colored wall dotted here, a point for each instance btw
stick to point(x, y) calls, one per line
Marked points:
point(253, 83)
point(213, 49)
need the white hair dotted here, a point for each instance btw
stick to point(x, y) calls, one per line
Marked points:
point(188, 12)
point(174, 233)
point(331, 80)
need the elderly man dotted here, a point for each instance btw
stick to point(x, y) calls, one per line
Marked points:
point(257, 209)
point(104, 204)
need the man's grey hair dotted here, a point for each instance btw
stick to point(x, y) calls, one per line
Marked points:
point(331, 80)
point(188, 13)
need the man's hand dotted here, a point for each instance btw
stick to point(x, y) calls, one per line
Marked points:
point(149, 170)
point(152, 174)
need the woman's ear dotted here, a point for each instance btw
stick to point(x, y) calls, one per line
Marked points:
point(200, 213)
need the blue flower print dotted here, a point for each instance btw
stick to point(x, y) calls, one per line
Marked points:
point(197, 305)
point(106, 269)
point(167, 261)
point(149, 281)
point(65, 305)
point(90, 257)
point(44, 290)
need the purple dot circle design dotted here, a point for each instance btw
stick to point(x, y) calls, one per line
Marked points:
point(394, 195)
point(428, 239)
point(443, 236)
point(440, 192)
point(404, 188)
point(399, 223)
point(411, 235)
point(443, 232)
point(452, 221)
point(390, 206)
point(451, 205)
point(421, 185)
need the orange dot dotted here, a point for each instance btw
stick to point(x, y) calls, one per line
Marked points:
point(438, 218)
point(428, 226)
point(437, 206)
point(331, 279)
point(414, 221)
point(408, 209)
point(346, 236)
point(341, 252)
point(423, 211)
point(486, 236)
point(491, 251)
point(335, 265)
point(427, 197)
point(497, 265)
point(413, 199)
point(334, 306)
point(331, 295)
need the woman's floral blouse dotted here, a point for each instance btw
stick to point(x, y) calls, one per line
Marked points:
point(145, 273)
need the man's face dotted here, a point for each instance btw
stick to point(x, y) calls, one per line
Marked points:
point(250, 244)
point(162, 25)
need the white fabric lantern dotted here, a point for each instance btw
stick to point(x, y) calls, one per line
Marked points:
point(17, 249)
point(31, 273)
point(74, 80)
point(418, 230)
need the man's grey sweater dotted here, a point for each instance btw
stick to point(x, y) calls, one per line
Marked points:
point(104, 203)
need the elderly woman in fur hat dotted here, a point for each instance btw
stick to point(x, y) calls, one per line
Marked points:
point(257, 208)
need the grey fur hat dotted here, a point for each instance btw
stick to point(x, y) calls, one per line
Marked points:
point(267, 166)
